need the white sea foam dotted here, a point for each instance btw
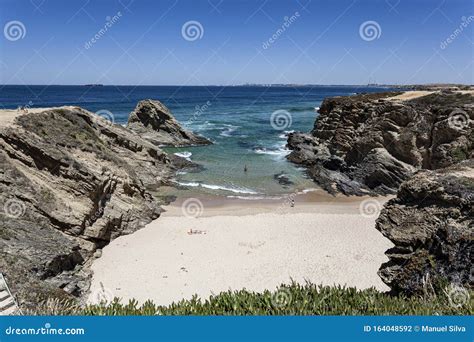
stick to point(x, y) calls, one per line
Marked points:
point(237, 190)
point(284, 135)
point(185, 154)
point(206, 126)
point(269, 152)
point(279, 151)
point(305, 191)
point(228, 130)
point(273, 198)
point(256, 198)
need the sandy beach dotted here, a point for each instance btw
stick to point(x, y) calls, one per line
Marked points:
point(243, 244)
point(8, 116)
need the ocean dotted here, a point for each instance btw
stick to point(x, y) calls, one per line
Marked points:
point(247, 124)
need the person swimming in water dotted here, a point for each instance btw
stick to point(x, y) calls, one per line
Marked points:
point(245, 168)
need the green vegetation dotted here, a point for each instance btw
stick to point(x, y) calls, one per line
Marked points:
point(468, 183)
point(459, 154)
point(46, 195)
point(4, 234)
point(291, 299)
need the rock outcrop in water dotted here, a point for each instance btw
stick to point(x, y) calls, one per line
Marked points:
point(370, 144)
point(70, 182)
point(431, 223)
point(154, 122)
point(421, 146)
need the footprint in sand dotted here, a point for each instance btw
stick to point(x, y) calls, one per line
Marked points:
point(196, 232)
point(251, 245)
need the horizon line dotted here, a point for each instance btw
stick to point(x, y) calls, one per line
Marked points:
point(243, 85)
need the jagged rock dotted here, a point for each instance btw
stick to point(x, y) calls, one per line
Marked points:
point(369, 144)
point(431, 223)
point(70, 182)
point(154, 122)
point(282, 179)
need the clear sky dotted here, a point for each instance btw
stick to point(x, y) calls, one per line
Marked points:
point(322, 43)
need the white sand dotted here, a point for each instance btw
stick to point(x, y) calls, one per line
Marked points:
point(410, 95)
point(164, 263)
point(8, 116)
point(413, 94)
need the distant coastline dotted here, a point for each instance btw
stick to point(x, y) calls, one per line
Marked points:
point(266, 85)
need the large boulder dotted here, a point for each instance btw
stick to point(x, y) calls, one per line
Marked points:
point(70, 182)
point(431, 223)
point(370, 143)
point(154, 122)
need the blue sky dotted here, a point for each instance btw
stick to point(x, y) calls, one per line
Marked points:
point(322, 45)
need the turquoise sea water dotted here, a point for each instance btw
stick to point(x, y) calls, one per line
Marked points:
point(247, 125)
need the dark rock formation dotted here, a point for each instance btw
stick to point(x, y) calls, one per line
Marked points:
point(70, 182)
point(431, 223)
point(282, 179)
point(378, 143)
point(153, 121)
point(369, 144)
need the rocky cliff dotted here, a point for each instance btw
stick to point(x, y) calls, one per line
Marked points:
point(420, 146)
point(370, 144)
point(431, 223)
point(154, 122)
point(70, 182)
